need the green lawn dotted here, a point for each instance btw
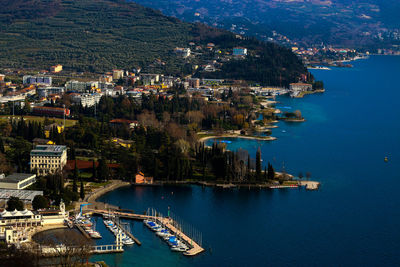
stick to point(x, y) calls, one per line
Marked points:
point(68, 122)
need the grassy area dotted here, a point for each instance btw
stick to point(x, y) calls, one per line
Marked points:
point(68, 122)
point(97, 185)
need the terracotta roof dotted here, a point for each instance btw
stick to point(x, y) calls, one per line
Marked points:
point(84, 164)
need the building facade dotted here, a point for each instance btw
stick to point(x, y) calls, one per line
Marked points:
point(239, 51)
point(86, 100)
point(37, 80)
point(17, 181)
point(57, 68)
point(48, 159)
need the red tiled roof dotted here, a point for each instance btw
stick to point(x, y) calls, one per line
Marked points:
point(84, 164)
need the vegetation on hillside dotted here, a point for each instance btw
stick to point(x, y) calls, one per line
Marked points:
point(97, 36)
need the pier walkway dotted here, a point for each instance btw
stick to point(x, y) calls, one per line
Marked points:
point(196, 248)
point(102, 249)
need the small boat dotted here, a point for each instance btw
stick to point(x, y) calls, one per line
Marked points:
point(163, 233)
point(127, 241)
point(386, 159)
point(179, 248)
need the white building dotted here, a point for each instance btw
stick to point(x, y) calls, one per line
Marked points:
point(46, 91)
point(300, 87)
point(17, 181)
point(46, 159)
point(118, 74)
point(37, 80)
point(86, 100)
point(150, 79)
point(81, 87)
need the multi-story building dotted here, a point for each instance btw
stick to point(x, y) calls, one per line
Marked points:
point(183, 52)
point(86, 100)
point(239, 51)
point(37, 80)
point(17, 181)
point(57, 68)
point(81, 87)
point(150, 79)
point(194, 83)
point(301, 87)
point(47, 159)
point(47, 91)
point(118, 74)
point(106, 78)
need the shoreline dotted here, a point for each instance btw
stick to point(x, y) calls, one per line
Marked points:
point(311, 185)
point(304, 93)
point(266, 138)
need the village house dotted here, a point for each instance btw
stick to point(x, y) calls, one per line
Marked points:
point(141, 179)
point(57, 68)
point(121, 122)
point(302, 87)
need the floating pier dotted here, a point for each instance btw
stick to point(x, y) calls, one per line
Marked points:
point(128, 233)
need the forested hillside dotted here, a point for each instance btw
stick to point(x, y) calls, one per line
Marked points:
point(98, 35)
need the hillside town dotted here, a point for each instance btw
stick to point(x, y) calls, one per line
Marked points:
point(67, 136)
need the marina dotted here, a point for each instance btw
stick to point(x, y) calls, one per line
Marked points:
point(158, 223)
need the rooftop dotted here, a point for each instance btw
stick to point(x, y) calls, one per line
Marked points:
point(24, 195)
point(48, 150)
point(16, 177)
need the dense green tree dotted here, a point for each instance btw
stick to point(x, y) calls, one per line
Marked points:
point(271, 172)
point(82, 191)
point(94, 171)
point(14, 203)
point(265, 174)
point(40, 202)
point(258, 165)
point(2, 150)
point(103, 172)
point(75, 179)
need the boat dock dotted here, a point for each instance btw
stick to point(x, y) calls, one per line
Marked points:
point(196, 248)
point(85, 234)
point(167, 222)
point(128, 233)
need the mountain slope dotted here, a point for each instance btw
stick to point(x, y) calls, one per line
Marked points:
point(98, 35)
point(338, 22)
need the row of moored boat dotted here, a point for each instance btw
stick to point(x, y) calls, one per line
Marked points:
point(126, 240)
point(173, 241)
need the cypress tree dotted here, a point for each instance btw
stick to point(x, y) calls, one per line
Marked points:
point(82, 191)
point(271, 172)
point(94, 172)
point(248, 168)
point(75, 179)
point(258, 164)
point(265, 174)
point(1, 145)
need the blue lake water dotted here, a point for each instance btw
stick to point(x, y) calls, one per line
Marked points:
point(354, 219)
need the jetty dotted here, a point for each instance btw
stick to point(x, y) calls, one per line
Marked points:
point(128, 233)
point(310, 185)
point(167, 222)
point(85, 234)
